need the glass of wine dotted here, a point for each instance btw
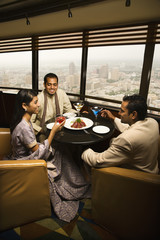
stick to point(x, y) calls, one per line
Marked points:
point(96, 110)
point(78, 106)
point(60, 118)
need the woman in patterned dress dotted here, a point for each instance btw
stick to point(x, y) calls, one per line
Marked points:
point(67, 184)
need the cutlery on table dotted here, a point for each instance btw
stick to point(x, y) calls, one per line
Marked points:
point(91, 133)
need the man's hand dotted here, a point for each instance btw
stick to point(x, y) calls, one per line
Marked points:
point(107, 113)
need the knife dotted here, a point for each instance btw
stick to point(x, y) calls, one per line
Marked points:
point(91, 133)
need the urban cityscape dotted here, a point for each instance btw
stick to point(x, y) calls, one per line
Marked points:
point(110, 80)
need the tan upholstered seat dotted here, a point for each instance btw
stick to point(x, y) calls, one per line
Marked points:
point(5, 145)
point(24, 188)
point(127, 202)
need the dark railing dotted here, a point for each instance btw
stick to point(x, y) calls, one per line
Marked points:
point(7, 101)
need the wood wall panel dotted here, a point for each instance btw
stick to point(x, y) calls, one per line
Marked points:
point(7, 102)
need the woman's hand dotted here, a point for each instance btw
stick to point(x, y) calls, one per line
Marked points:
point(107, 113)
point(58, 126)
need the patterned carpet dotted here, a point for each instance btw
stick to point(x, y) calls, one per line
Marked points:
point(81, 228)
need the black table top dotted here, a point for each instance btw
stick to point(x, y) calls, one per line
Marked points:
point(80, 137)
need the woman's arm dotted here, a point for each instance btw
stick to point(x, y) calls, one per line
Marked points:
point(35, 148)
point(56, 127)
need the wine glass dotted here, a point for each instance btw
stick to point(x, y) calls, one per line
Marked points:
point(60, 118)
point(78, 106)
point(96, 110)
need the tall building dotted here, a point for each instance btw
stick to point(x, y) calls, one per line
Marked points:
point(115, 73)
point(72, 68)
point(103, 71)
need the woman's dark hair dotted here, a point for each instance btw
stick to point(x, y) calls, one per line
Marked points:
point(50, 75)
point(23, 96)
point(136, 103)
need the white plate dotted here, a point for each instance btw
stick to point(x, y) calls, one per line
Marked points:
point(69, 114)
point(50, 125)
point(100, 129)
point(70, 121)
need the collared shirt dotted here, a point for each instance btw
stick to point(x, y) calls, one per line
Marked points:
point(64, 104)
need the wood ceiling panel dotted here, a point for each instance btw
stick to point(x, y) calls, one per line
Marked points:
point(16, 9)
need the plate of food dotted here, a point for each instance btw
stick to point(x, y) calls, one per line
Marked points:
point(78, 123)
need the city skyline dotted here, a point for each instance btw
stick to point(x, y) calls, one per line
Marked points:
point(104, 78)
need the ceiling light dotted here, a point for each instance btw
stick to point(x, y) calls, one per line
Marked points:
point(128, 3)
point(69, 12)
point(27, 20)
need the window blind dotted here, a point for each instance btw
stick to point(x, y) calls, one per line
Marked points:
point(16, 45)
point(56, 41)
point(124, 35)
point(157, 40)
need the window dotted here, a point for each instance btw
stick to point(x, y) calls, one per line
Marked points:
point(114, 71)
point(16, 70)
point(114, 61)
point(154, 88)
point(65, 63)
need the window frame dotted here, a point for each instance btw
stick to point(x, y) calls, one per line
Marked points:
point(147, 33)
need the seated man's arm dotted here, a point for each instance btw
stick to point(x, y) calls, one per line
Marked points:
point(67, 107)
point(120, 126)
point(117, 154)
point(35, 124)
point(117, 122)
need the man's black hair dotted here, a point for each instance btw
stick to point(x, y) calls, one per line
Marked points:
point(136, 103)
point(50, 75)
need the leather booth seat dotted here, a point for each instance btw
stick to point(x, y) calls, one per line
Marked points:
point(127, 202)
point(24, 188)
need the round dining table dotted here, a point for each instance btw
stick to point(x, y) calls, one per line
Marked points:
point(77, 141)
point(85, 136)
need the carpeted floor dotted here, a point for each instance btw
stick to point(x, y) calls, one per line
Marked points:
point(81, 228)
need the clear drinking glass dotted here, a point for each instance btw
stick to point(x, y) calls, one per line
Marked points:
point(96, 110)
point(78, 106)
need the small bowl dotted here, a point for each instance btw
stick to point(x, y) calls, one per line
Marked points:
point(69, 115)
